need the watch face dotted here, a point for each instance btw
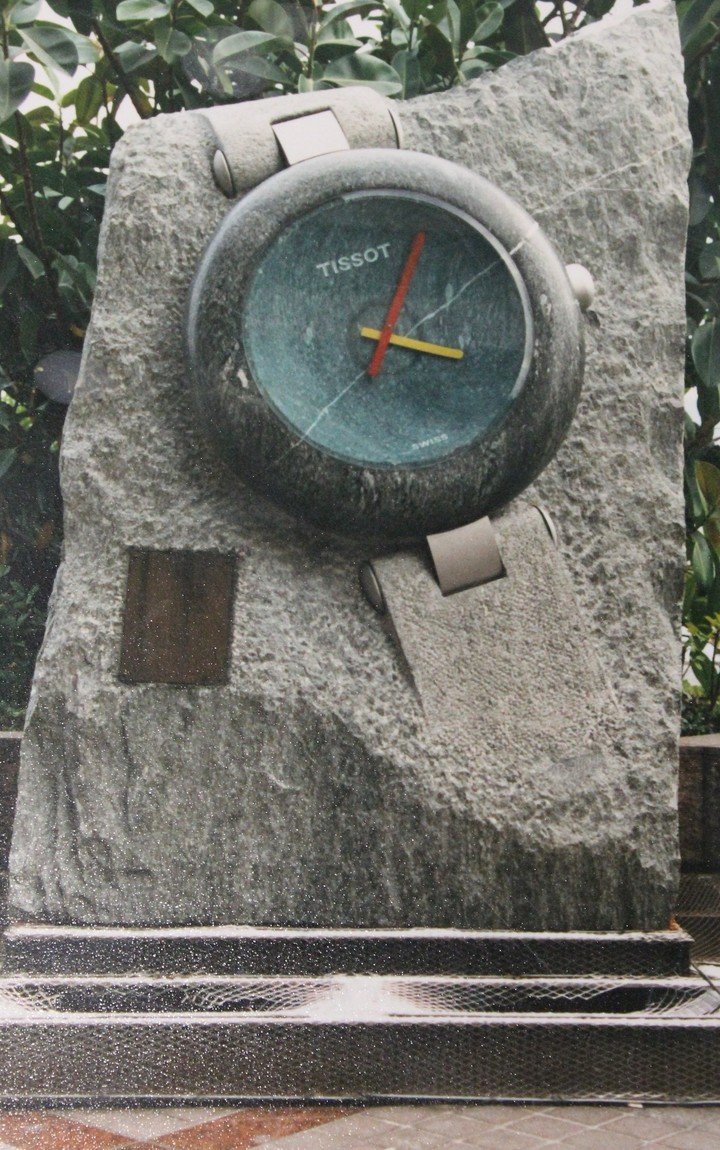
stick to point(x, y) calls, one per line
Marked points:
point(452, 306)
point(384, 343)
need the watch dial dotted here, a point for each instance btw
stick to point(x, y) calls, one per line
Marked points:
point(387, 328)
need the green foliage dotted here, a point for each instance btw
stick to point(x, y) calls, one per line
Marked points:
point(21, 628)
point(700, 37)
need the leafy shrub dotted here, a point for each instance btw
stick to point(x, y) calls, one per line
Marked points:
point(701, 679)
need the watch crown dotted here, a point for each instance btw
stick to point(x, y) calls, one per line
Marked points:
point(582, 284)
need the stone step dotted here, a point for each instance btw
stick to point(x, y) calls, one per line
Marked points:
point(313, 952)
point(354, 997)
point(357, 1038)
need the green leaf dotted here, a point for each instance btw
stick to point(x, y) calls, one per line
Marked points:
point(490, 17)
point(258, 66)
point(8, 265)
point(705, 350)
point(700, 200)
point(141, 10)
point(87, 98)
point(204, 7)
point(523, 30)
point(132, 55)
point(417, 9)
point(51, 45)
point(31, 261)
point(696, 24)
point(702, 561)
point(7, 458)
point(396, 10)
point(240, 42)
point(16, 81)
point(273, 18)
point(171, 43)
point(331, 49)
point(695, 501)
point(708, 480)
point(407, 66)
point(436, 53)
point(471, 68)
point(347, 8)
point(493, 57)
point(88, 52)
point(364, 68)
point(23, 12)
point(451, 25)
point(338, 31)
point(709, 261)
point(711, 527)
point(703, 670)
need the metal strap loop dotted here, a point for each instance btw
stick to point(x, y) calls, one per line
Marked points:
point(249, 151)
point(466, 557)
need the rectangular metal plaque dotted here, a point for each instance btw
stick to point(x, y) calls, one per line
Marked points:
point(178, 617)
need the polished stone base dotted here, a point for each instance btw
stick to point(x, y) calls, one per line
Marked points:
point(241, 1013)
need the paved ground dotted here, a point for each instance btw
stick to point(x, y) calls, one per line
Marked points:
point(490, 1127)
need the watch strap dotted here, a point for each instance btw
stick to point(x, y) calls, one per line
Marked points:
point(259, 138)
point(467, 653)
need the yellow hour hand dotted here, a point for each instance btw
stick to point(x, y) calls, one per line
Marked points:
point(415, 344)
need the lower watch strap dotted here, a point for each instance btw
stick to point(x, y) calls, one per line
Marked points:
point(468, 653)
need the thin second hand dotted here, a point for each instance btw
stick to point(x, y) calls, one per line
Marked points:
point(396, 305)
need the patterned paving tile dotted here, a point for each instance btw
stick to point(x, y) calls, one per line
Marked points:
point(38, 1130)
point(248, 1128)
point(548, 1126)
point(601, 1138)
point(691, 1140)
point(441, 1127)
point(587, 1115)
point(145, 1124)
point(505, 1138)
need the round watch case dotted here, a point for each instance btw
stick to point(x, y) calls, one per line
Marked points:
point(380, 497)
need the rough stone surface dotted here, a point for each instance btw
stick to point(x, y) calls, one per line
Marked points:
point(318, 786)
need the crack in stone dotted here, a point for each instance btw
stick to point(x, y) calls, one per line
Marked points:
point(608, 175)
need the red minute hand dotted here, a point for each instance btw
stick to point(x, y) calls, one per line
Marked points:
point(396, 306)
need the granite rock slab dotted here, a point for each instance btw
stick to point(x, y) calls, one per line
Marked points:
point(318, 786)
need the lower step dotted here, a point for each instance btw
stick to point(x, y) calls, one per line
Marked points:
point(357, 1037)
point(200, 1058)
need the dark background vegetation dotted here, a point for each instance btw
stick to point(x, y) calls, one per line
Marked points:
point(73, 74)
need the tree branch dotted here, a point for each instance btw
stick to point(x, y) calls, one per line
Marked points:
point(140, 106)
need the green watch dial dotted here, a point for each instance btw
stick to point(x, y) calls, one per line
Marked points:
point(387, 328)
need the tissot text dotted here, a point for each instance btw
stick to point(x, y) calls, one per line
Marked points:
point(354, 260)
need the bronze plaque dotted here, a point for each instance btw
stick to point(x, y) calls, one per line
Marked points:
point(177, 623)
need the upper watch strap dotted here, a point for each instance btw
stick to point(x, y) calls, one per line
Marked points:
point(259, 138)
